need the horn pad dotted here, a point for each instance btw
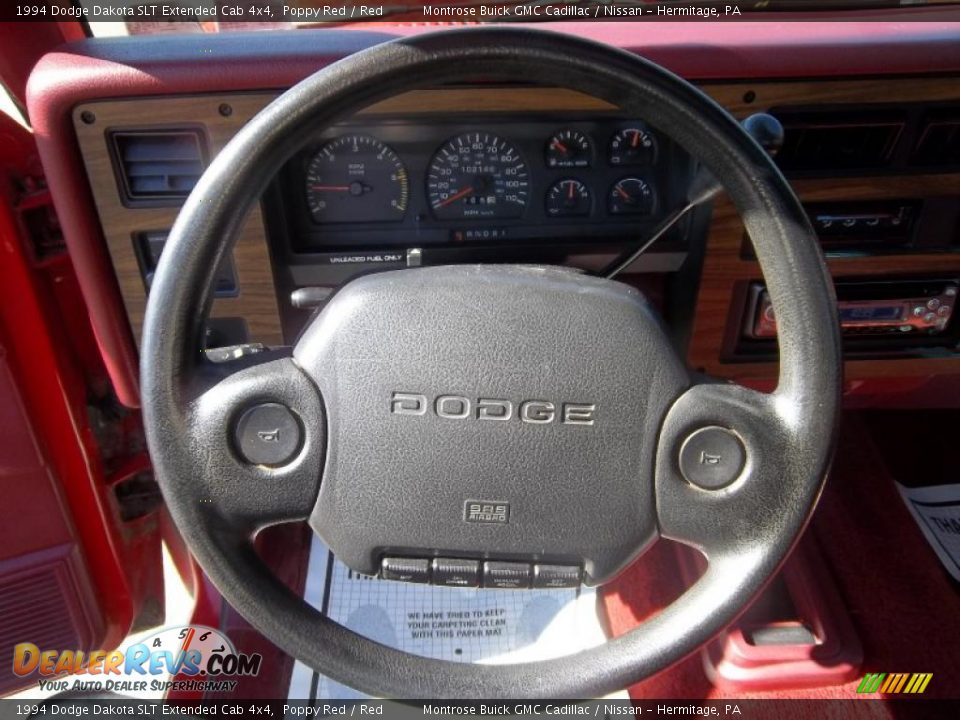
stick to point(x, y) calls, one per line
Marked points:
point(535, 393)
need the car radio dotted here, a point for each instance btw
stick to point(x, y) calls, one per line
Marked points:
point(870, 308)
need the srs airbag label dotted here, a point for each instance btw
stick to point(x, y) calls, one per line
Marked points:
point(486, 511)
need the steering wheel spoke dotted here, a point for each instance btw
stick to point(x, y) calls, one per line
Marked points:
point(256, 431)
point(725, 481)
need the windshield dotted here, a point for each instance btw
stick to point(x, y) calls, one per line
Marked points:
point(116, 17)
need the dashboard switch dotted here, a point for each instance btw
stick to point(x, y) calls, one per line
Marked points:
point(456, 573)
point(506, 575)
point(555, 576)
point(415, 570)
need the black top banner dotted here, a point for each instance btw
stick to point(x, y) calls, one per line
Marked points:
point(214, 15)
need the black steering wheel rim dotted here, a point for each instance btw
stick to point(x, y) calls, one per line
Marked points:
point(746, 530)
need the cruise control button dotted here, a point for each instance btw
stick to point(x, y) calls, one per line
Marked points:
point(555, 576)
point(712, 457)
point(415, 570)
point(456, 573)
point(506, 575)
point(268, 434)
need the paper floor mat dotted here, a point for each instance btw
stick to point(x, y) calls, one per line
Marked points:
point(937, 511)
point(463, 625)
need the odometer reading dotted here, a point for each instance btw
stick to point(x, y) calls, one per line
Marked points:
point(356, 178)
point(477, 175)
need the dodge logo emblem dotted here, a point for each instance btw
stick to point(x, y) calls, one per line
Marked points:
point(457, 407)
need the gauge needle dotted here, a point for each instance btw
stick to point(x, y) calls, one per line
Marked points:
point(453, 198)
point(570, 191)
point(330, 188)
point(636, 138)
point(560, 146)
point(624, 194)
point(183, 649)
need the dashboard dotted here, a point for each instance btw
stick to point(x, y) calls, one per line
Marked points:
point(481, 173)
point(486, 180)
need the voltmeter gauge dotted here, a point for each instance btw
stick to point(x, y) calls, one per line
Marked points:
point(632, 146)
point(568, 198)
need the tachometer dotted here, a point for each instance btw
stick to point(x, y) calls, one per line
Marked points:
point(356, 178)
point(477, 175)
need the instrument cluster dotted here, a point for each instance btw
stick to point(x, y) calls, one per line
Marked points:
point(398, 182)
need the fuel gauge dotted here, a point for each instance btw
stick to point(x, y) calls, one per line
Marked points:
point(567, 198)
point(630, 196)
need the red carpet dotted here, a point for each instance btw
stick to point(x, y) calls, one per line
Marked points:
point(904, 606)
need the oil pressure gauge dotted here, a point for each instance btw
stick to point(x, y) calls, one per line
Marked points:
point(568, 149)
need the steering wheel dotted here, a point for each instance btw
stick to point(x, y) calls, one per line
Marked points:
point(489, 413)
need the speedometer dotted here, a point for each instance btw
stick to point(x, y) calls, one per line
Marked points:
point(356, 178)
point(477, 175)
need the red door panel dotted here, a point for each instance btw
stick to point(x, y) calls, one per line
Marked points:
point(80, 553)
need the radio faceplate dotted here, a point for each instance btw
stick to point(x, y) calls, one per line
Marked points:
point(870, 308)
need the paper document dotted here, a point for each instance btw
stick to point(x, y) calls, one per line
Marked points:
point(463, 625)
point(937, 511)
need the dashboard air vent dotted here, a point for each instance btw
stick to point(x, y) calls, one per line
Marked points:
point(158, 167)
point(833, 141)
point(939, 143)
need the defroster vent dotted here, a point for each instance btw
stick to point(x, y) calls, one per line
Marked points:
point(158, 167)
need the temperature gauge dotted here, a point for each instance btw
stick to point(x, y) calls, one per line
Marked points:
point(630, 196)
point(567, 198)
point(632, 146)
point(568, 149)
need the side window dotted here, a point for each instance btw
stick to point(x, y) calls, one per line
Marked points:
point(9, 106)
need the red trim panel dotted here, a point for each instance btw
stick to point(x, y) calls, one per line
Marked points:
point(54, 395)
point(167, 65)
